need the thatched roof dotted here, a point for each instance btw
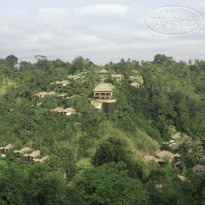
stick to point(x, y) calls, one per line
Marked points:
point(159, 186)
point(135, 84)
point(103, 71)
point(45, 93)
point(164, 153)
point(69, 109)
point(62, 94)
point(25, 149)
point(151, 158)
point(182, 177)
point(133, 78)
point(199, 168)
point(35, 153)
point(64, 82)
point(173, 146)
point(52, 93)
point(73, 77)
point(117, 76)
point(202, 159)
point(58, 109)
point(103, 87)
point(41, 160)
point(176, 136)
point(9, 146)
point(42, 93)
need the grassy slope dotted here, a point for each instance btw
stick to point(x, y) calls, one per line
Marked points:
point(5, 85)
point(139, 143)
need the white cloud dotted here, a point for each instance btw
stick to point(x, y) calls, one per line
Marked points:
point(101, 32)
point(101, 9)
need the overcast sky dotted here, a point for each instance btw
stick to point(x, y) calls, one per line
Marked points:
point(102, 31)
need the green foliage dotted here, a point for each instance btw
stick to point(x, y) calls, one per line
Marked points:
point(45, 186)
point(171, 94)
point(112, 150)
point(11, 61)
point(11, 186)
point(109, 184)
point(63, 159)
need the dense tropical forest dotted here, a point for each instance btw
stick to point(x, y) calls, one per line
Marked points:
point(98, 158)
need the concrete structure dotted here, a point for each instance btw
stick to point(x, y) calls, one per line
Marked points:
point(109, 107)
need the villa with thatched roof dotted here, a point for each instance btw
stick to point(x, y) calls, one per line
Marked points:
point(41, 94)
point(136, 85)
point(18, 153)
point(61, 95)
point(73, 77)
point(199, 168)
point(68, 111)
point(119, 77)
point(61, 83)
point(41, 160)
point(51, 93)
point(151, 158)
point(64, 112)
point(30, 158)
point(202, 159)
point(176, 136)
point(103, 71)
point(174, 158)
point(103, 90)
point(133, 78)
point(4, 150)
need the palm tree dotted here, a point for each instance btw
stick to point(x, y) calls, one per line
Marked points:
point(194, 153)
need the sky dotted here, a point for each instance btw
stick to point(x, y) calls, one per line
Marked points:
point(102, 31)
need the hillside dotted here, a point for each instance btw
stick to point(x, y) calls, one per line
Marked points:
point(50, 106)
